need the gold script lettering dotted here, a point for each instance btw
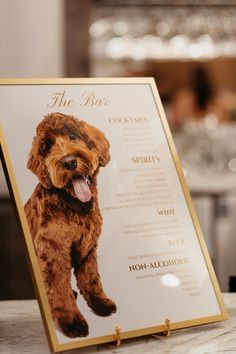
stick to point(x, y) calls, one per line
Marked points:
point(59, 100)
point(89, 99)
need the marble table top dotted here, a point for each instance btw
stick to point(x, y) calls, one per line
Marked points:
point(22, 331)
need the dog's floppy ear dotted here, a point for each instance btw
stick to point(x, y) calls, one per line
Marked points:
point(98, 140)
point(36, 161)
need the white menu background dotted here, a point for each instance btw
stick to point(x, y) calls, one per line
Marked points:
point(149, 256)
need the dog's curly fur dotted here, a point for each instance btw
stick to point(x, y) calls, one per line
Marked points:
point(64, 218)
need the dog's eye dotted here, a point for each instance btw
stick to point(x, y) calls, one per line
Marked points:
point(72, 136)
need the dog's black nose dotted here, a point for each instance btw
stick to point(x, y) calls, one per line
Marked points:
point(70, 164)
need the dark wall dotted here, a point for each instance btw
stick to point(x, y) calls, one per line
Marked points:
point(15, 281)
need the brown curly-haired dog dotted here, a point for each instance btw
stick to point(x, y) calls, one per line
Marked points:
point(64, 217)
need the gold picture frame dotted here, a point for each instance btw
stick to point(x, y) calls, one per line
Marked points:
point(132, 103)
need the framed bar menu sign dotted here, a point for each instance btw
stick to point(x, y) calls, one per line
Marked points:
point(111, 234)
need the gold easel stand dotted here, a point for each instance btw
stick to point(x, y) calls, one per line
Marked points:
point(118, 336)
point(167, 330)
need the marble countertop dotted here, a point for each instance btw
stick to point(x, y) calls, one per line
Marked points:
point(22, 331)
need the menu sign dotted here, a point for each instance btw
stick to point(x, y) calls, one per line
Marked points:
point(111, 233)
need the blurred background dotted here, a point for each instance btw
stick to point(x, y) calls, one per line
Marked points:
point(189, 47)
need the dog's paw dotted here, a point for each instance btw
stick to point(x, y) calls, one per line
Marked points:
point(102, 306)
point(75, 327)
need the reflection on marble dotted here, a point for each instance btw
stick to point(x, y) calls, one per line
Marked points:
point(21, 331)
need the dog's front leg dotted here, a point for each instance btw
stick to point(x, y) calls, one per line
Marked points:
point(54, 260)
point(89, 283)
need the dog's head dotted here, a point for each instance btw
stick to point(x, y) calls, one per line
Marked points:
point(67, 153)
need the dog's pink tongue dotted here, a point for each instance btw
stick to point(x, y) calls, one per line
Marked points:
point(82, 190)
